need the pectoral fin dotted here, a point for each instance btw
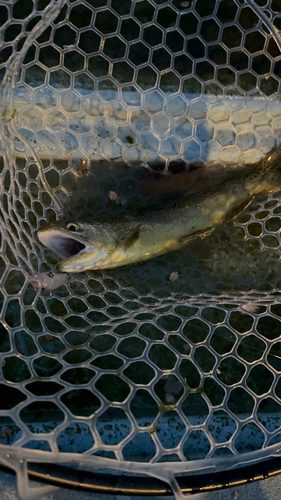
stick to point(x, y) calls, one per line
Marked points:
point(130, 238)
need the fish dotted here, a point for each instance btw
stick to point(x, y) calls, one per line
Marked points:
point(48, 281)
point(156, 230)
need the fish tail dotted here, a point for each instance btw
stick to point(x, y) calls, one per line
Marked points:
point(266, 175)
point(272, 163)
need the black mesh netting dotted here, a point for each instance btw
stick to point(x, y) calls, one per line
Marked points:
point(172, 360)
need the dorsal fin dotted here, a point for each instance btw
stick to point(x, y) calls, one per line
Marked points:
point(129, 239)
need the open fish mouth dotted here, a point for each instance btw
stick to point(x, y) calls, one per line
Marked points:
point(62, 244)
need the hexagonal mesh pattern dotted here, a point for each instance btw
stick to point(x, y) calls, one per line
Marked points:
point(177, 359)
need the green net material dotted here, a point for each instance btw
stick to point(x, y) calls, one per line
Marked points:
point(170, 365)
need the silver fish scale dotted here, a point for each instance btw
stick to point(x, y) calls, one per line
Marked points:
point(175, 361)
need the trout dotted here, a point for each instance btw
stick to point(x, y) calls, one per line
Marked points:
point(157, 230)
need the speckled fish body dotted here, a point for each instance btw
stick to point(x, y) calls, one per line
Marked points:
point(115, 243)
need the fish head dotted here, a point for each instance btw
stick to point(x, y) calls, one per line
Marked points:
point(82, 245)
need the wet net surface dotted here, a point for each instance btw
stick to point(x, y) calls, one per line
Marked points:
point(173, 360)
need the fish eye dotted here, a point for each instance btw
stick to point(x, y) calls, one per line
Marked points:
point(72, 226)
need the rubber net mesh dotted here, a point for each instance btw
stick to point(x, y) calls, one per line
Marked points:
point(172, 364)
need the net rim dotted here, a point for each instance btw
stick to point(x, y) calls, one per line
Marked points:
point(103, 483)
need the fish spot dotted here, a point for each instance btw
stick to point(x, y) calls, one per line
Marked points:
point(259, 188)
point(218, 216)
point(222, 198)
point(230, 201)
point(171, 243)
point(210, 202)
point(251, 187)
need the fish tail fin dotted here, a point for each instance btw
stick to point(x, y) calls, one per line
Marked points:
point(265, 177)
point(272, 162)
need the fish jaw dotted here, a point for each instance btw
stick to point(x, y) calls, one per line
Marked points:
point(84, 261)
point(106, 258)
point(78, 253)
point(62, 242)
